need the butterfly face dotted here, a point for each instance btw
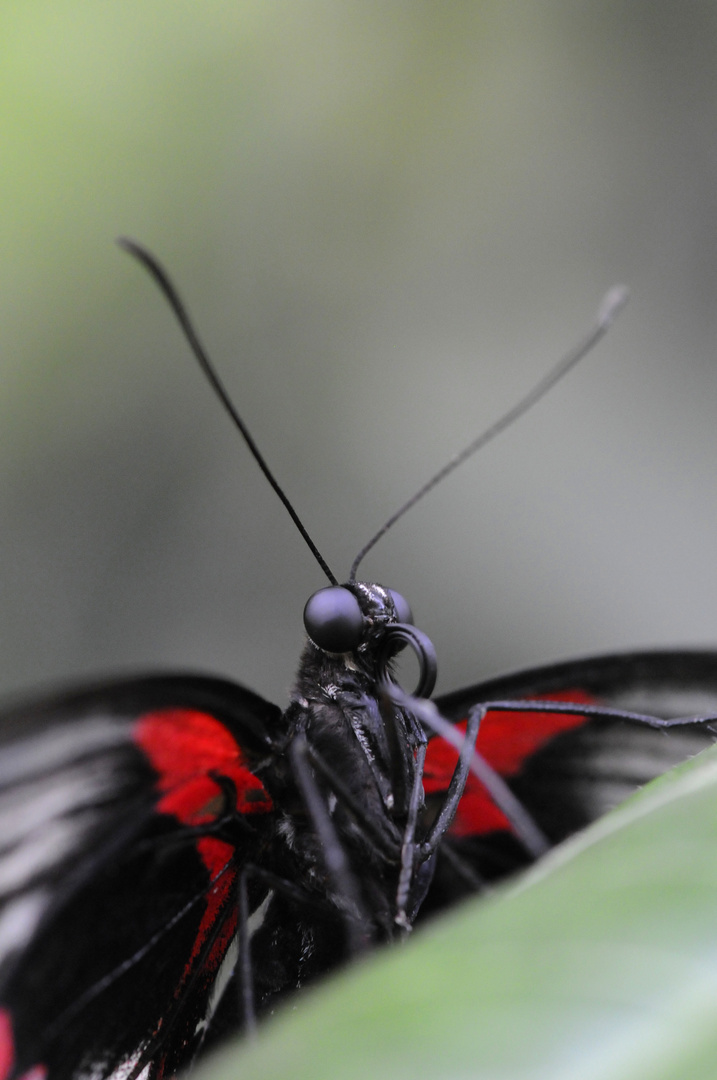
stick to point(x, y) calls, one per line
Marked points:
point(346, 618)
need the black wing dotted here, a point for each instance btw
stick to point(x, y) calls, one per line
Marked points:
point(117, 886)
point(567, 770)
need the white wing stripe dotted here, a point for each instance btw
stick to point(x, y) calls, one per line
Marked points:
point(60, 745)
point(19, 920)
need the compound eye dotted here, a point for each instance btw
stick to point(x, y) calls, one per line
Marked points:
point(333, 619)
point(402, 606)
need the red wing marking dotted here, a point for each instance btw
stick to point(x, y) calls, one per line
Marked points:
point(7, 1052)
point(7, 1044)
point(184, 747)
point(506, 740)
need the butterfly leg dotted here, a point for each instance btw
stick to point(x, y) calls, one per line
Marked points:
point(245, 980)
point(407, 874)
point(359, 931)
point(245, 931)
point(386, 838)
point(469, 760)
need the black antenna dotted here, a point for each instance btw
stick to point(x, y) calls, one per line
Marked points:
point(161, 277)
point(609, 308)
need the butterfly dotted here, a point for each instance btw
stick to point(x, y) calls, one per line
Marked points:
point(177, 855)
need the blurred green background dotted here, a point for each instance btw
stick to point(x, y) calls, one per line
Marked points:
point(388, 219)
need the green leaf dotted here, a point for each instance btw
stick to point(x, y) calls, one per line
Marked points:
point(599, 964)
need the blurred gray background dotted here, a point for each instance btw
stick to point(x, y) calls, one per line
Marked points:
point(388, 219)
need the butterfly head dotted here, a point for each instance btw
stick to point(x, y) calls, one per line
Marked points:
point(372, 621)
